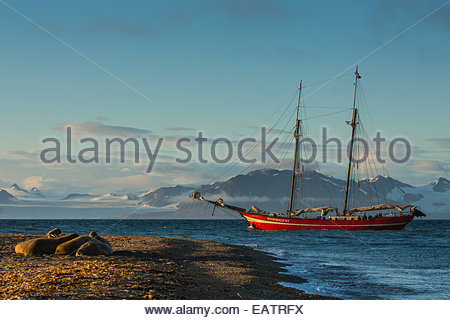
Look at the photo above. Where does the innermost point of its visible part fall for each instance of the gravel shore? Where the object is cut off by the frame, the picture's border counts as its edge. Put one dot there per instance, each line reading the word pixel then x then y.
pixel 146 268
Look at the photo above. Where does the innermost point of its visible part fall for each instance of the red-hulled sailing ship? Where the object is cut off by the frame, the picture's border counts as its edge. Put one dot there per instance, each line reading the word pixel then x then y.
pixel 373 217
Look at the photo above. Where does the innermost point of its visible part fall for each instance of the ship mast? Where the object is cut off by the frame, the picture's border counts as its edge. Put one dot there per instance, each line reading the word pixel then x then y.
pixel 296 136
pixel 350 157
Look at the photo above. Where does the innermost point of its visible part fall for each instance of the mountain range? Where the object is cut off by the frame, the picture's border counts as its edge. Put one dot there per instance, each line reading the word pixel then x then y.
pixel 267 189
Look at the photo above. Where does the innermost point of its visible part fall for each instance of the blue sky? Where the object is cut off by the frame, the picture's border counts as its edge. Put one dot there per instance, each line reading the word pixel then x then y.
pixel 219 67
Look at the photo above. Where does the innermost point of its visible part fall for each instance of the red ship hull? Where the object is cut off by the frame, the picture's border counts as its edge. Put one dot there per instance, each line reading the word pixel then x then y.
pixel 278 224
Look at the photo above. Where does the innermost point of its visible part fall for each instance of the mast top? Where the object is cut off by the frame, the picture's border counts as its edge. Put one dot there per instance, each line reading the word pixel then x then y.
pixel 298 102
pixel 356 73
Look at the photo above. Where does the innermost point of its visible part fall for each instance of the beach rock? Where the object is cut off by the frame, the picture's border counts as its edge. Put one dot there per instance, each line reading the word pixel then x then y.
pixel 42 245
pixel 71 247
pixel 94 247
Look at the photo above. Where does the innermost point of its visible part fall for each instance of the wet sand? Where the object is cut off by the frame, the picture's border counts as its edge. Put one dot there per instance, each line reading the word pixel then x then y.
pixel 146 268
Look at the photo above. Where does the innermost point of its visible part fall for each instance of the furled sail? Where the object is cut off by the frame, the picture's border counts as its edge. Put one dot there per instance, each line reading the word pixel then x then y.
pixel 378 207
pixel 324 211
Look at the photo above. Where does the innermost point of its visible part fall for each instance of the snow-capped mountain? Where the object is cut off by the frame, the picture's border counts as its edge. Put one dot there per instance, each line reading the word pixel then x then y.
pixel 19 192
pixel 266 189
pixel 77 196
pixel 15 186
pixel 165 196
pixel 441 185
pixel 269 190
pixel 6 197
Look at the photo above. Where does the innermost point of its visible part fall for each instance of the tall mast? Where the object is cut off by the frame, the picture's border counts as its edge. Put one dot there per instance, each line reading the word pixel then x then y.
pixel 296 136
pixel 350 157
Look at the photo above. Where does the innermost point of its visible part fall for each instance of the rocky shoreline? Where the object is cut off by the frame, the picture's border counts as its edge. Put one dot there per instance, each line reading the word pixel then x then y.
pixel 144 267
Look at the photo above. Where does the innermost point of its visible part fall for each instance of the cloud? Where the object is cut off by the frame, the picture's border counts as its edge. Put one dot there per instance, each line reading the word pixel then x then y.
pixel 97 128
pixel 136 181
pixel 19 154
pixel 122 28
pixel 38 182
pixel 431 166
pixel 180 129
pixel 440 142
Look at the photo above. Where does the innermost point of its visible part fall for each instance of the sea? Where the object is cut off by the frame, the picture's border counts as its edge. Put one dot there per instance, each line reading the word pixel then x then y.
pixel 409 264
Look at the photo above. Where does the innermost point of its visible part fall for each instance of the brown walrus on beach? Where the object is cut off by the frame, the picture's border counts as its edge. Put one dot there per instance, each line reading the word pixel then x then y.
pixel 42 245
pixel 96 236
pixel 71 247
pixel 54 233
pixel 95 247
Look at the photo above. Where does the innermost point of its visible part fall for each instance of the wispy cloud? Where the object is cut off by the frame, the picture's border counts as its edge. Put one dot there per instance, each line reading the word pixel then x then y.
pixel 100 129
pixel 19 154
pixel 431 166
pixel 180 129
pixel 440 142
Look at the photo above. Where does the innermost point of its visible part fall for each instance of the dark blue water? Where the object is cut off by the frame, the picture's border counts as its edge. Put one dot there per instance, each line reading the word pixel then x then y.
pixel 408 264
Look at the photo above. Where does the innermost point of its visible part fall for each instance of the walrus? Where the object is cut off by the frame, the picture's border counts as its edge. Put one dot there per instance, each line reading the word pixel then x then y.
pixel 96 236
pixel 42 245
pixel 71 247
pixel 54 233
pixel 94 247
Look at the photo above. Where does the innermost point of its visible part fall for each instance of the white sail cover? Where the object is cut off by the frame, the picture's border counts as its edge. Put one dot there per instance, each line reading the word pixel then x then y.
pixel 324 211
pixel 378 207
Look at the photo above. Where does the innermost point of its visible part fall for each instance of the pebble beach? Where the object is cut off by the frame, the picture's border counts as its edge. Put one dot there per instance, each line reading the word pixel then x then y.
pixel 144 267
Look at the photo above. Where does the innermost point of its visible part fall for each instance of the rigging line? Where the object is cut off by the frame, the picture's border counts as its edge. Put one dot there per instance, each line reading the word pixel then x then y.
pixel 248 167
pixel 288 101
pixel 318 107
pixel 326 114
pixel 228 168
pixel 321 82
pixel 253 147
pixel 370 161
pixel 268 183
pixel 227 212
pixel 284 140
pixel 285 144
pixel 383 169
pixel 266 165
pixel 380 47
pixel 78 52
pixel 370 166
